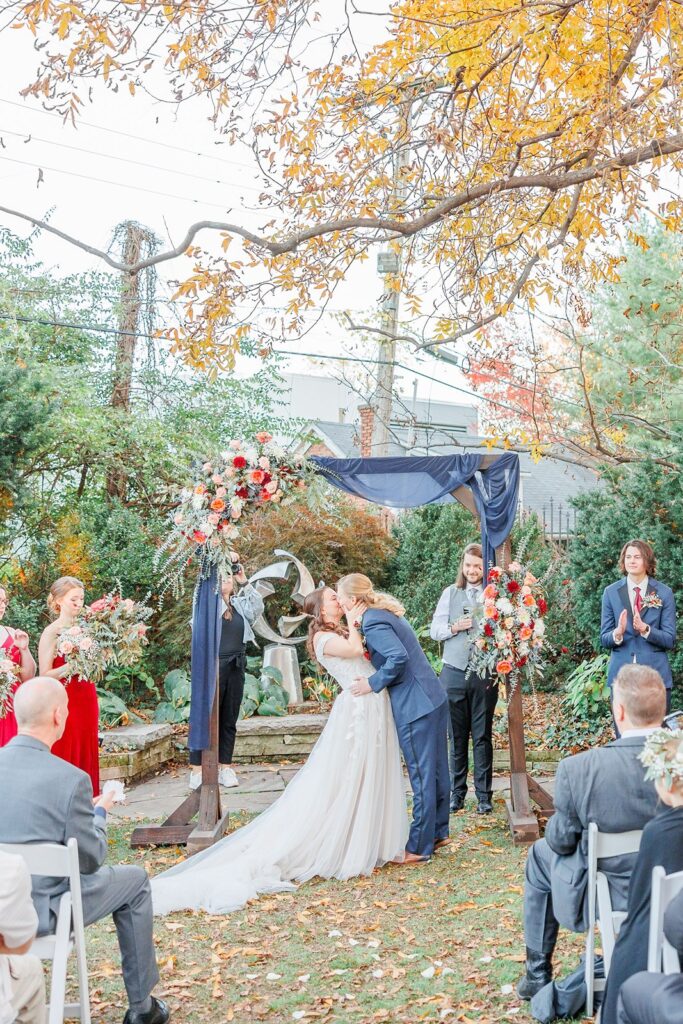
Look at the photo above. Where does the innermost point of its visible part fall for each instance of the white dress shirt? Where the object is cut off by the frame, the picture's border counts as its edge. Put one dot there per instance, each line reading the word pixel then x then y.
pixel 631 585
pixel 18 921
pixel 440 629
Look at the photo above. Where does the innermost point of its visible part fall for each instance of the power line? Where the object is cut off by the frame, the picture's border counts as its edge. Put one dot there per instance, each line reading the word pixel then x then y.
pixel 118 184
pixel 98 329
pixel 128 135
pixel 122 159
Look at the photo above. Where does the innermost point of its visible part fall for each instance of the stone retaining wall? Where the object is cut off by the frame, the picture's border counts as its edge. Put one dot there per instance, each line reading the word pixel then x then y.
pixel 133 751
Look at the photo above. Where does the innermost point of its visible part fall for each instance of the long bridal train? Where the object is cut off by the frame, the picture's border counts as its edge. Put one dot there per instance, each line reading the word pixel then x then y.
pixel 342 815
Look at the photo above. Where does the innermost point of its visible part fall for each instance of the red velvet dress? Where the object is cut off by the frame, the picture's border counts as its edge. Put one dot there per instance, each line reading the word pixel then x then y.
pixel 8 724
pixel 80 744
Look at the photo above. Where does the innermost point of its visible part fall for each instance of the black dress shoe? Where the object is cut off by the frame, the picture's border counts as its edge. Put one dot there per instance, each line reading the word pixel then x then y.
pixel 159 1014
pixel 539 972
pixel 484 807
pixel 457 805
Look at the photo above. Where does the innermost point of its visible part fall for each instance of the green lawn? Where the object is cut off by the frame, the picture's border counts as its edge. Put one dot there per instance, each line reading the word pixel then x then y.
pixel 431 943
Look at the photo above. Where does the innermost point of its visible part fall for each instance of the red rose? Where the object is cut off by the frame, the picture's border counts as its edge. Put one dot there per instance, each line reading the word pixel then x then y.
pixel 488 629
pixel 265 496
pixel 542 605
pixel 521 661
pixel 239 462
pixel 565 650
pixel 513 587
pixel 242 492
pixel 366 655
pixel 565 583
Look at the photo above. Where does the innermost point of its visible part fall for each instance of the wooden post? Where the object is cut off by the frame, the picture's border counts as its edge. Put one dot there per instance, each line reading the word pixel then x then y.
pixel 179 828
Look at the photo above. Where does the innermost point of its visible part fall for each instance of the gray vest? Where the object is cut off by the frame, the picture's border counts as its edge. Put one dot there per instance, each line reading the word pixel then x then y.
pixel 456 650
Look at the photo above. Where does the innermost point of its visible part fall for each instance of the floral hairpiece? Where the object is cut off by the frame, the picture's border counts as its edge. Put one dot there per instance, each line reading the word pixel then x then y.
pixel 662 755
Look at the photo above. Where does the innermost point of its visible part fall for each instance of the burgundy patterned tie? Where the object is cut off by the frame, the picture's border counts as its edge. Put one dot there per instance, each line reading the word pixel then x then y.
pixel 637 601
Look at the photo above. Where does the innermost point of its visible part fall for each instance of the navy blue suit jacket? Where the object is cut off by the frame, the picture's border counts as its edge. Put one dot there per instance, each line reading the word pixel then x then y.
pixel 401 665
pixel 634 647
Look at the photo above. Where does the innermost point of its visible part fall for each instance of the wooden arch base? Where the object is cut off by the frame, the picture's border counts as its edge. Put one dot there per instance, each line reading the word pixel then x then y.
pixel 203 803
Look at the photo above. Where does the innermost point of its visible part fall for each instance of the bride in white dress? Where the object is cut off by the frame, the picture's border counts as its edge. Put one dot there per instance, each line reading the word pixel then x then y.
pixel 343 814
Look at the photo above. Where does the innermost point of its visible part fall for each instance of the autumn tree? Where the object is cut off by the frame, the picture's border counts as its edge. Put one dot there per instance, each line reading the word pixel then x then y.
pixel 496 147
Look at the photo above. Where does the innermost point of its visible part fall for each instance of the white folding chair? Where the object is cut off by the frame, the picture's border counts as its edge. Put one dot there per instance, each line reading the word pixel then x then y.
pixel 57 861
pixel 661 955
pixel 600 846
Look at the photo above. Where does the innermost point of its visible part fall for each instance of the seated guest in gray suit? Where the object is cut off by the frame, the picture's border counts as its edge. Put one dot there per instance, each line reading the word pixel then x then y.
pixel 661 845
pixel 45 799
pixel 656 998
pixel 606 785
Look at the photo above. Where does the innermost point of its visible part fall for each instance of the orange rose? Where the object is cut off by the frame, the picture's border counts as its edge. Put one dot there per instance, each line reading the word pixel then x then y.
pixel 490 611
pixel 525 632
pixel 217 505
pixel 503 667
pixel 529 600
pixel 490 592
pixel 257 476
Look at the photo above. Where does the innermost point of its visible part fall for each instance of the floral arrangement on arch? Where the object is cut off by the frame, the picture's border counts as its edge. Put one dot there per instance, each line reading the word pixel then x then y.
pixel 9 677
pixel 110 631
pixel 511 639
pixel 247 476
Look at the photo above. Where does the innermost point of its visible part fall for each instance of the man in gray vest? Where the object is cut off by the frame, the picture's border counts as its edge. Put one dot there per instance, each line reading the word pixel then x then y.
pixel 471 698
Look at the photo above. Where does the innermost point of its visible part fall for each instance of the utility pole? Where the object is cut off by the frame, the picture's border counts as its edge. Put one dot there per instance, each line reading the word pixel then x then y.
pixel 389 266
pixel 137 242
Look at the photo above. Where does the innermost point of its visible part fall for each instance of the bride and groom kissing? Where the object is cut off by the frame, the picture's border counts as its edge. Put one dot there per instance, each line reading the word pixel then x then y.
pixel 344 814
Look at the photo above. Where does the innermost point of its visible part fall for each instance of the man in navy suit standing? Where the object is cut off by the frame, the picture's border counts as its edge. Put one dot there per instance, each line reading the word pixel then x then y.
pixel 419 706
pixel 638 623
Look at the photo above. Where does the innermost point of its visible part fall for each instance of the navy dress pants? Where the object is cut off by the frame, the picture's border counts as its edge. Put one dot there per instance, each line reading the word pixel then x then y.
pixel 424 745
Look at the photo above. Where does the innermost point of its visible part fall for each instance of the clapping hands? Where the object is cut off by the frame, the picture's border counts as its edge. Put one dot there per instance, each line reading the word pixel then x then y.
pixel 638 624
pixel 621 627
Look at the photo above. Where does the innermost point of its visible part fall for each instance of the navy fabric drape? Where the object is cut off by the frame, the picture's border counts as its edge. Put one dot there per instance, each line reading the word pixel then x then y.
pixel 206 638
pixel 406 482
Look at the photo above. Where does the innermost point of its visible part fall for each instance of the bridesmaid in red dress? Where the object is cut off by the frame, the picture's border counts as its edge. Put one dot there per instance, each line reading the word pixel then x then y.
pixel 13 645
pixel 79 745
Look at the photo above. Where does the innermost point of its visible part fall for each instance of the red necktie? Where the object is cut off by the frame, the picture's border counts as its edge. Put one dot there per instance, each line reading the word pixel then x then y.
pixel 638 601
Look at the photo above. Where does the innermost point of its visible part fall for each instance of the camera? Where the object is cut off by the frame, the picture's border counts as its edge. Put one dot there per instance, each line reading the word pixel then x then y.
pixel 237 568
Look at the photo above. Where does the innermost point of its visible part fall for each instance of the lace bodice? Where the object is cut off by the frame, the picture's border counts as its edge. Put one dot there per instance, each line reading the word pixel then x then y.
pixel 343 670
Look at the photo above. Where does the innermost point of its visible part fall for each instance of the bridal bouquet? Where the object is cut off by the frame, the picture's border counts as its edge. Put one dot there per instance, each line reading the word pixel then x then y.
pixel 119 624
pixel 83 654
pixel 247 476
pixel 9 677
pixel 511 638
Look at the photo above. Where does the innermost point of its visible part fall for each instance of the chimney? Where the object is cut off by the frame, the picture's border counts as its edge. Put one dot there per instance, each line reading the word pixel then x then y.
pixel 367 422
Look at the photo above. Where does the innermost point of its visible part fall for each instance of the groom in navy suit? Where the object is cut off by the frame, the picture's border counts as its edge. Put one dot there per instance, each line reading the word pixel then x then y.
pixel 420 710
pixel 638 623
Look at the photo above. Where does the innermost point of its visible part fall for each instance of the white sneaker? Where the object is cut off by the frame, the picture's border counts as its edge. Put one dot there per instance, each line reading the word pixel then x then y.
pixel 195 780
pixel 227 778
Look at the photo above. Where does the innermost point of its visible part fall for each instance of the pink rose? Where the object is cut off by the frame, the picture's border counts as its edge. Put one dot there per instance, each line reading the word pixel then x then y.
pixel 264 462
pixel 86 643
pixel 66 647
pixel 213 518
pixel 178 518
pixel 221 492
pixel 235 445
pixel 263 437
pixel 142 629
pixel 128 604
pixel 207 467
pixel 217 478
pixel 74 631
pixel 272 486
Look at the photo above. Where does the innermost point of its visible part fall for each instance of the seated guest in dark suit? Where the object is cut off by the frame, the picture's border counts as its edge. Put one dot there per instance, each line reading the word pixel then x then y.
pixel 606 785
pixel 638 622
pixel 46 799
pixel 662 844
pixel 656 998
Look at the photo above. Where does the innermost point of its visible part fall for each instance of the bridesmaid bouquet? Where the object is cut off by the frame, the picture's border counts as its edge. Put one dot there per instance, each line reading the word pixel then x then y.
pixel 511 641
pixel 247 476
pixel 119 624
pixel 110 631
pixel 82 652
pixel 9 677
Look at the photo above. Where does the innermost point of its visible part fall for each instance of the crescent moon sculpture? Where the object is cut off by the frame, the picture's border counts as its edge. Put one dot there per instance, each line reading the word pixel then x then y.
pixel 304 585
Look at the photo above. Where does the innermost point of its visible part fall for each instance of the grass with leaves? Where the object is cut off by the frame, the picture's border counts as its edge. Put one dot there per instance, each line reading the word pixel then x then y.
pixel 438 942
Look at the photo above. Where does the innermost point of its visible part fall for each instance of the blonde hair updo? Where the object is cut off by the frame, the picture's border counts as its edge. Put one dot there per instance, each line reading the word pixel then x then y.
pixel 359 586
pixel 58 589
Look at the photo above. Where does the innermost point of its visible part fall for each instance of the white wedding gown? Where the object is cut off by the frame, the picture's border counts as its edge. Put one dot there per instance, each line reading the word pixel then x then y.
pixel 342 815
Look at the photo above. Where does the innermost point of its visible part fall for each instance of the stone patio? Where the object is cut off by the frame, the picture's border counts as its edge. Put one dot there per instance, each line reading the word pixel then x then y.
pixel 260 786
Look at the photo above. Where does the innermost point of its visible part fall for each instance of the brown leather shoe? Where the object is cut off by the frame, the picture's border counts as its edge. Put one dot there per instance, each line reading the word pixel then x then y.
pixel 410 859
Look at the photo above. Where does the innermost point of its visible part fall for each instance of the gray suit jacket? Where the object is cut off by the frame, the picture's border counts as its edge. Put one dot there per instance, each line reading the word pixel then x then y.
pixel 46 799
pixel 605 785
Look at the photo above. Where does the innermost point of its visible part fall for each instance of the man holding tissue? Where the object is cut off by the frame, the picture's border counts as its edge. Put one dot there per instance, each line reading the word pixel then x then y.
pixel 46 799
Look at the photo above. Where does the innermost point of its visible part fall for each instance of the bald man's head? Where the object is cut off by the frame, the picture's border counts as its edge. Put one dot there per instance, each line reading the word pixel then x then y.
pixel 41 707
